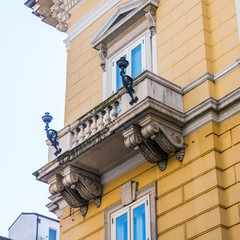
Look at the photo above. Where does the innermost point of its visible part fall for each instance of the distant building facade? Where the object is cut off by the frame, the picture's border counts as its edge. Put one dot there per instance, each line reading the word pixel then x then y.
pixel 34 226
pixel 159 161
pixel 4 238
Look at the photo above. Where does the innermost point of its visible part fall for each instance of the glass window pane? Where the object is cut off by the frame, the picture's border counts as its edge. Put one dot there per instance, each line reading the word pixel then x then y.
pixel 136 55
pixel 139 223
pixel 52 234
pixel 121 225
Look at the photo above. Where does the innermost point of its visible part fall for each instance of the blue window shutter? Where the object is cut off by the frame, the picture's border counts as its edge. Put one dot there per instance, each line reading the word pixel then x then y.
pixel 122 227
pixel 139 223
pixel 52 234
pixel 136 55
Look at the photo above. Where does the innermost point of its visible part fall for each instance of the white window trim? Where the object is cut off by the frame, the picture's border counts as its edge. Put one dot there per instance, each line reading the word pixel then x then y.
pixel 148 191
pixel 114 216
pixel 129 210
pixel 237 3
pixel 113 36
pixel 127 51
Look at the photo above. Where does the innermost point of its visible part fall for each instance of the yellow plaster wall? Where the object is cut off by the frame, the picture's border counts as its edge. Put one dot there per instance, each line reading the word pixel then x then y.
pixel 193 37
pixel 196 199
pixel 200 197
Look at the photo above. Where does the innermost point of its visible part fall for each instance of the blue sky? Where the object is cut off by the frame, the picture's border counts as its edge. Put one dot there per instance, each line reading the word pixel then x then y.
pixel 32 81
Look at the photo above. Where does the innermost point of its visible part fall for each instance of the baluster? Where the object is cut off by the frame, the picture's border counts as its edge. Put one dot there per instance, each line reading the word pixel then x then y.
pixel 114 111
pixel 81 133
pixel 107 115
pixel 75 137
pixel 100 121
pixel 119 107
pixel 94 123
pixel 88 128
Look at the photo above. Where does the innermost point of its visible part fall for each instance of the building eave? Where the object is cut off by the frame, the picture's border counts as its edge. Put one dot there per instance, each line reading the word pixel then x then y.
pixel 55 14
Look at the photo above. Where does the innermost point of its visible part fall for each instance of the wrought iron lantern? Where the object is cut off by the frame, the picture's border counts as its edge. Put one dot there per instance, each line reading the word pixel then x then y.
pixel 51 133
pixel 127 81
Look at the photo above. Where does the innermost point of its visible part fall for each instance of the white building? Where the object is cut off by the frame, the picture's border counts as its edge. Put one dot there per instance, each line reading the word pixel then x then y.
pixel 34 226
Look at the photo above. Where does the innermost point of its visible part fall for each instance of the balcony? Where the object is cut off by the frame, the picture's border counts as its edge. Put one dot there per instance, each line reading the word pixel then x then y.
pixel 111 134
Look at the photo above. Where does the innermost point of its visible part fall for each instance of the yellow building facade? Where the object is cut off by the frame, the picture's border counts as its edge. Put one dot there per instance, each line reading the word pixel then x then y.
pixel 185 123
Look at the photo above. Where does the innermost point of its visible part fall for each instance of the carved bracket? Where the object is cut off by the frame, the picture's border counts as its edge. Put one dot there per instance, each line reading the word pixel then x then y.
pixel 77 187
pixel 155 141
pixel 102 53
pixel 59 13
pixel 150 13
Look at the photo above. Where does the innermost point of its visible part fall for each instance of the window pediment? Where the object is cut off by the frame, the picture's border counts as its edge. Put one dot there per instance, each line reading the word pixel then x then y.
pixel 121 19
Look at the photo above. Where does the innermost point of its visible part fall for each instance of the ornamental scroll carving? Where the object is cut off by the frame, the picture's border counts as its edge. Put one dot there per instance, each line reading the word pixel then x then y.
pixel 155 142
pixel 77 187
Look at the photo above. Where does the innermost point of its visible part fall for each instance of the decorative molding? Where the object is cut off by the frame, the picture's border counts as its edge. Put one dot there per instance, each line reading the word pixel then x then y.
pixel 150 13
pixel 88 19
pixel 126 12
pixel 102 53
pixel 213 78
pixel 227 70
pixel 77 187
pixel 205 77
pixel 128 192
pixel 212 110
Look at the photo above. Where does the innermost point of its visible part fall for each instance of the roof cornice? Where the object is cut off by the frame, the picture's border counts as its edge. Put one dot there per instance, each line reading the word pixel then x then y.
pixel 57 13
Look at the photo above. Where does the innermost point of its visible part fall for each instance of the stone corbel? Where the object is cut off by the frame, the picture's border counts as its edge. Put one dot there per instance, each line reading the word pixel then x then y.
pixel 77 187
pixel 167 138
pixel 155 141
pixel 71 196
pixel 150 13
pixel 102 53
pixel 148 147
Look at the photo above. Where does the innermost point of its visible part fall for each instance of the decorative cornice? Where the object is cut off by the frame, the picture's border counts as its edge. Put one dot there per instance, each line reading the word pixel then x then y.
pixel 212 110
pixel 213 78
pixel 128 13
pixel 88 19
pixel 55 12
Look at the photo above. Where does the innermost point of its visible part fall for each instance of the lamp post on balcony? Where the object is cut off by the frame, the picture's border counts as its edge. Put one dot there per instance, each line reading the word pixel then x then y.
pixel 127 81
pixel 51 133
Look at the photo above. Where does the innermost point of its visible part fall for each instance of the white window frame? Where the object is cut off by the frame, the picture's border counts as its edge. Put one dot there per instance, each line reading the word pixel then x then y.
pixel 150 191
pixel 237 3
pixel 127 51
pixel 129 210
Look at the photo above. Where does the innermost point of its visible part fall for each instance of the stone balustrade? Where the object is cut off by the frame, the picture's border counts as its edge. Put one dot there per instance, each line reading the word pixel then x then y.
pixel 95 122
pixel 88 125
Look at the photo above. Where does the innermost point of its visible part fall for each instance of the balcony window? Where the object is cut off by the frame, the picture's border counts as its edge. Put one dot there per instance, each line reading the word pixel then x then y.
pixel 135 54
pixel 129 31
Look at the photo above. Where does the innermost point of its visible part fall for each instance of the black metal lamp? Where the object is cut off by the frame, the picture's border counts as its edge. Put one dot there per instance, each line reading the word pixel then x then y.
pixel 51 133
pixel 127 81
